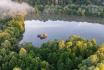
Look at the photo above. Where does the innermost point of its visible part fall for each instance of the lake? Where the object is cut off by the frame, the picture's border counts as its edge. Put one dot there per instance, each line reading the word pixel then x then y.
pixel 61 30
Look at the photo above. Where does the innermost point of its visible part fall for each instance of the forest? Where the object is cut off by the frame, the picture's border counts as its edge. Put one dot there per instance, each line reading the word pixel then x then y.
pixel 75 53
pixel 90 8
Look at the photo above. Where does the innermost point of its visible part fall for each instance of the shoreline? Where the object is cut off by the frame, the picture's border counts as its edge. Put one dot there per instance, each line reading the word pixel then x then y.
pixel 45 17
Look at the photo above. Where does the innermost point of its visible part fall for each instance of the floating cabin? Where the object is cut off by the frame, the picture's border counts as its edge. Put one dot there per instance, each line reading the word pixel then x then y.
pixel 42 36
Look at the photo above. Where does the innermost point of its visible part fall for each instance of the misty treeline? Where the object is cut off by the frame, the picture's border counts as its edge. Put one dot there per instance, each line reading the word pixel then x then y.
pixel 75 53
pixel 9 8
pixel 93 8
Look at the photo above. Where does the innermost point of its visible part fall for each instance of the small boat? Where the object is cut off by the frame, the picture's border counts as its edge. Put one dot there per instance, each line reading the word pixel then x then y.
pixel 42 36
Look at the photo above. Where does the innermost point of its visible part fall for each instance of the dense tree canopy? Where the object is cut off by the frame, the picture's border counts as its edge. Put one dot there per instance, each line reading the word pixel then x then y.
pixel 75 53
pixel 93 8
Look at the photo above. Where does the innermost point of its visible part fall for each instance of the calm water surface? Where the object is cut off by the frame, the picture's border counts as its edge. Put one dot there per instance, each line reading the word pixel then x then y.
pixel 61 30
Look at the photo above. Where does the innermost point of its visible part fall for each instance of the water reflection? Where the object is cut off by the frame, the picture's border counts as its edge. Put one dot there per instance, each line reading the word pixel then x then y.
pixel 61 30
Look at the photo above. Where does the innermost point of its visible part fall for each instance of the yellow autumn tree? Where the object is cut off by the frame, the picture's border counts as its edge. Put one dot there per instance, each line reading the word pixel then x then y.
pixel 17 68
pixel 22 52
